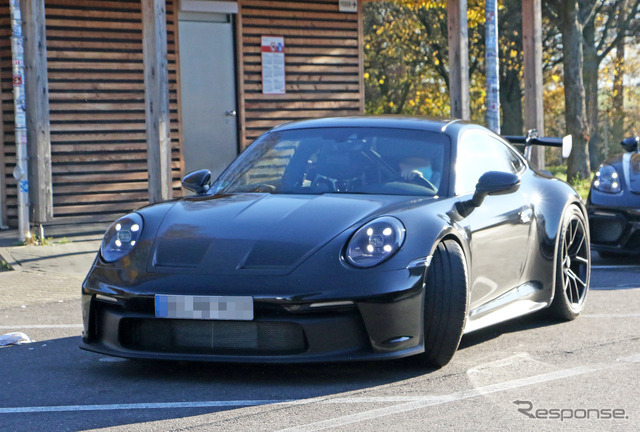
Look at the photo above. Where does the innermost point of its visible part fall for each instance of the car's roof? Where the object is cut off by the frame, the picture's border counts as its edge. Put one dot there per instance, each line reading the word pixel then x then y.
pixel 395 122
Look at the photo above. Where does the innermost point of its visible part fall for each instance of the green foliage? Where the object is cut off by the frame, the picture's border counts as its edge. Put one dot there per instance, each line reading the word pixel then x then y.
pixel 406 58
pixel 35 240
pixel 580 185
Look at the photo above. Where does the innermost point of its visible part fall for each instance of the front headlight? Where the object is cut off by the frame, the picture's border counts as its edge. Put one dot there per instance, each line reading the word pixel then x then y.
pixel 121 237
pixel 607 179
pixel 375 242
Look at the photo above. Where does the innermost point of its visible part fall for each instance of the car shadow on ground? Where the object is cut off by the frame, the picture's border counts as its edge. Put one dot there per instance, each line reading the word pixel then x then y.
pixel 56 372
pixel 536 320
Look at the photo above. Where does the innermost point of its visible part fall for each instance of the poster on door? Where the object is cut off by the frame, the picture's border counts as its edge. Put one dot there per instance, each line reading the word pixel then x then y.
pixel 273 81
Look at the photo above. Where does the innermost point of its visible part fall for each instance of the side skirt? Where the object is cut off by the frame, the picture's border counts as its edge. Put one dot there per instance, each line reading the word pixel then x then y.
pixel 522 300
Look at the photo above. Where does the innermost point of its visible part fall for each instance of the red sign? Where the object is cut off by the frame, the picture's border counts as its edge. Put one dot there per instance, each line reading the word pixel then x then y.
pixel 273 79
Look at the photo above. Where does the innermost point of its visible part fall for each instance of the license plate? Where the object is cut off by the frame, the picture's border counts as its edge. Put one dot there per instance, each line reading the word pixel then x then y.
pixel 204 307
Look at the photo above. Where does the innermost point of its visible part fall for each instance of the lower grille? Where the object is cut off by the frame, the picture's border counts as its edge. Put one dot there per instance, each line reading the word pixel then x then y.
pixel 211 337
pixel 606 230
pixel 634 241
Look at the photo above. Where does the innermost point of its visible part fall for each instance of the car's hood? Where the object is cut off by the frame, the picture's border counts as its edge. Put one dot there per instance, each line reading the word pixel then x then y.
pixel 267 233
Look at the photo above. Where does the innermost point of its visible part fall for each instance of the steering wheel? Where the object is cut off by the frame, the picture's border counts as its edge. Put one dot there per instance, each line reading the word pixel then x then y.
pixel 421 181
pixel 329 184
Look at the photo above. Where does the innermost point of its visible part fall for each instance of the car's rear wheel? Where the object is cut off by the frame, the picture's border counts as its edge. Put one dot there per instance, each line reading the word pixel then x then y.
pixel 573 264
pixel 445 307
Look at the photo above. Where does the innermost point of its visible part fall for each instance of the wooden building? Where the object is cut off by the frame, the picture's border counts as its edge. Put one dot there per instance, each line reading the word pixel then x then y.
pixel 106 82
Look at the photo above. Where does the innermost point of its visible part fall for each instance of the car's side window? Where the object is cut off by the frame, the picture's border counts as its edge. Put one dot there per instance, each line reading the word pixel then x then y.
pixel 478 153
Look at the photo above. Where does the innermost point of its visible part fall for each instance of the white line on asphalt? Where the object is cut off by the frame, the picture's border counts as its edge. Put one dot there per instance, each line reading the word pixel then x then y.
pixel 453 397
pixel 614 287
pixel 610 267
pixel 409 403
pixel 40 326
pixel 115 407
pixel 629 315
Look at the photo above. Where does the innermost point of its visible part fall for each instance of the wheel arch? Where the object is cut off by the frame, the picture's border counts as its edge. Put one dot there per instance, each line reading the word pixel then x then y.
pixel 451 233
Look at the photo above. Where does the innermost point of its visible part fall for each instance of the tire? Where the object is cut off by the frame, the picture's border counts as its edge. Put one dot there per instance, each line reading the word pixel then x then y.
pixel 445 305
pixel 573 267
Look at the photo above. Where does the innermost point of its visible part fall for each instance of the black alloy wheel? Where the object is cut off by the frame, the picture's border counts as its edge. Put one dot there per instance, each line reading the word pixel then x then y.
pixel 573 266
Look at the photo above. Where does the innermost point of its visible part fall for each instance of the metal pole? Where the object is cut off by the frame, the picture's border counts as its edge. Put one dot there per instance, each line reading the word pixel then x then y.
pixel 20 172
pixel 493 76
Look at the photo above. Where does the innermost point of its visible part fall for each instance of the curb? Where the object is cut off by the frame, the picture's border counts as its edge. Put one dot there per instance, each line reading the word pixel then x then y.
pixel 6 256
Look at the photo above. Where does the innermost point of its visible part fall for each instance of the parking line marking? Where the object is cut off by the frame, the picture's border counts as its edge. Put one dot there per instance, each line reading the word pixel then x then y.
pixel 40 326
pixel 133 406
pixel 614 288
pixel 461 395
pixel 409 403
pixel 628 315
pixel 614 266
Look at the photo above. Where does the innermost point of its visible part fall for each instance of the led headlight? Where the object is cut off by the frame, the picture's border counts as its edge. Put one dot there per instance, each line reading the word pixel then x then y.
pixel 121 237
pixel 375 242
pixel 607 179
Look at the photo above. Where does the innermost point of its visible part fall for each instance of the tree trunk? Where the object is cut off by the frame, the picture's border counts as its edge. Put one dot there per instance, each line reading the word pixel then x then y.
pixel 618 86
pixel 511 103
pixel 590 71
pixel 574 93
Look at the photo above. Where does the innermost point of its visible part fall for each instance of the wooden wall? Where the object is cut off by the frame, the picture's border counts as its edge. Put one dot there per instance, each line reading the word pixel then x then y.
pixel 96 87
pixel 323 63
pixel 97 109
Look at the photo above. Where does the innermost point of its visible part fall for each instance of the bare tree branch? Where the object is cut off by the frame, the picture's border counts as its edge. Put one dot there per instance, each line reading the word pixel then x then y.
pixel 622 30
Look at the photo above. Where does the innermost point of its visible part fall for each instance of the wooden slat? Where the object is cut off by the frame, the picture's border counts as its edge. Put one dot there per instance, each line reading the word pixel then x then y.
pixel 307 23
pixel 309 68
pixel 97 92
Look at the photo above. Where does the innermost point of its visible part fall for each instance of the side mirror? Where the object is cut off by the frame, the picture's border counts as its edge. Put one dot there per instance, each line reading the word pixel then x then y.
pixel 197 181
pixel 567 146
pixel 494 183
pixel 630 144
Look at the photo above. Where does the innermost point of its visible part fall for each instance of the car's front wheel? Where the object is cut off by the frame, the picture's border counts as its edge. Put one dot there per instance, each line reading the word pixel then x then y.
pixel 573 266
pixel 445 307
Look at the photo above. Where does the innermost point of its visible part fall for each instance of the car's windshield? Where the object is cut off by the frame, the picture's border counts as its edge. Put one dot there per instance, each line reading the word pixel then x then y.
pixel 341 160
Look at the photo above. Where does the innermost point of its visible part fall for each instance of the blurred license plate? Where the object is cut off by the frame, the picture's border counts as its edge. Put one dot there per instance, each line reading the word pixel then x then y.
pixel 204 307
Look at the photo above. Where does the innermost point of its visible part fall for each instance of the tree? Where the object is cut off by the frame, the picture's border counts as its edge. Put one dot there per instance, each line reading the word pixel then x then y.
pixel 607 24
pixel 406 58
pixel 574 93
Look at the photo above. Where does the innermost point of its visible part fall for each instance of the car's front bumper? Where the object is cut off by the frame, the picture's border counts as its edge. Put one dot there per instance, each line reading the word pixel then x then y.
pixel 380 326
pixel 615 229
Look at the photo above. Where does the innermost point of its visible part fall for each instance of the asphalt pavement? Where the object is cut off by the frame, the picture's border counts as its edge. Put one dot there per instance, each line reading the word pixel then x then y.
pixel 529 374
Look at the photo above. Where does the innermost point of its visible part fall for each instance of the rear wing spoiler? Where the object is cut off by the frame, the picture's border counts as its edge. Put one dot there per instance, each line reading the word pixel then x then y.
pixel 532 138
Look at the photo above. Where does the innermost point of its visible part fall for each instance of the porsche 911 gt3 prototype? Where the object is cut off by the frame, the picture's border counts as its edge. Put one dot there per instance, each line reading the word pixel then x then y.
pixel 614 203
pixel 341 239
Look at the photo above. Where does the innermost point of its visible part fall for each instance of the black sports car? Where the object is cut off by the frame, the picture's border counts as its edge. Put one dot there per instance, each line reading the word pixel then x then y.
pixel 614 203
pixel 341 239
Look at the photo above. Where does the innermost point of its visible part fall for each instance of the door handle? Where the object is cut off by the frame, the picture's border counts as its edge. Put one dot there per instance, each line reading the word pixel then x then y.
pixel 231 113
